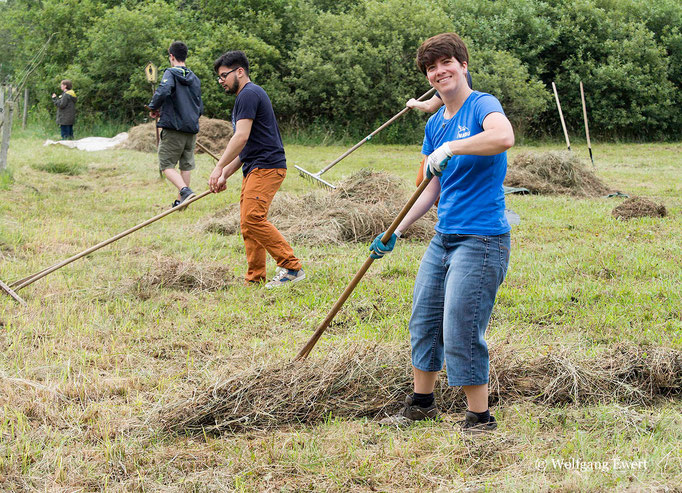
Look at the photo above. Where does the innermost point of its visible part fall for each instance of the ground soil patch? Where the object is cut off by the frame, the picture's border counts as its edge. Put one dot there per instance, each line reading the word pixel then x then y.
pixel 554 172
pixel 362 206
pixel 370 380
pixel 638 207
pixel 214 134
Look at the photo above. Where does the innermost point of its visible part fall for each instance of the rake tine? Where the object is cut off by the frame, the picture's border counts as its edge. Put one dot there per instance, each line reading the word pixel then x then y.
pixel 351 286
pixel 315 177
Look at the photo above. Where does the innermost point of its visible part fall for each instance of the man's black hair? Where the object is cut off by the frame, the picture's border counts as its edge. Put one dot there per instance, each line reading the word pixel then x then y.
pixel 232 59
pixel 179 50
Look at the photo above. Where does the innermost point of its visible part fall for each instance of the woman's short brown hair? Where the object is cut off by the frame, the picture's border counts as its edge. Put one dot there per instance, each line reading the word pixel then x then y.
pixel 445 45
pixel 68 84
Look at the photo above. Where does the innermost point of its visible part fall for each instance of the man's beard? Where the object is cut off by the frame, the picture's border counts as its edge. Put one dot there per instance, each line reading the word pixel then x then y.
pixel 232 89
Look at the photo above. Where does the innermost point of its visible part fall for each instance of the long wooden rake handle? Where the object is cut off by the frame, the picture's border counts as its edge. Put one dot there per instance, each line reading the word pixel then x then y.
pixel 45 272
pixel 587 128
pixel 561 116
pixel 351 286
pixel 369 137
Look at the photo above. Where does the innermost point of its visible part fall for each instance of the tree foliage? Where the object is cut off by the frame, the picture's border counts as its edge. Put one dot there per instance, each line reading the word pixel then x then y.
pixel 348 65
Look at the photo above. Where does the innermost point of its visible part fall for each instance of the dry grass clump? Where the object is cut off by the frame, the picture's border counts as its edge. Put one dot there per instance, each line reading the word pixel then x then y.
pixel 554 172
pixel 371 380
pixel 624 373
pixel 638 207
pixel 363 206
pixel 214 134
pixel 185 276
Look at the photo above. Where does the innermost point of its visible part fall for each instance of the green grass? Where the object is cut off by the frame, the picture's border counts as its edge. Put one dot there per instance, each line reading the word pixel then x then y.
pixel 86 365
pixel 6 179
pixel 61 167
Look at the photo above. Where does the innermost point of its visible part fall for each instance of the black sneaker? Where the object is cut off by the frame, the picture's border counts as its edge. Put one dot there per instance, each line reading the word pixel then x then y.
pixel 411 413
pixel 186 193
pixel 471 424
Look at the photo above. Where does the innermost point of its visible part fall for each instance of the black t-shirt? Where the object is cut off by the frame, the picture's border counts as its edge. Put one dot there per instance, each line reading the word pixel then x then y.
pixel 264 148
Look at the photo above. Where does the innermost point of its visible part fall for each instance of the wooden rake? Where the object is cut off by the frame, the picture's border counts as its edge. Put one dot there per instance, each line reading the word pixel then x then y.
pixel 26 281
pixel 351 286
pixel 12 288
pixel 587 128
pixel 561 116
pixel 315 177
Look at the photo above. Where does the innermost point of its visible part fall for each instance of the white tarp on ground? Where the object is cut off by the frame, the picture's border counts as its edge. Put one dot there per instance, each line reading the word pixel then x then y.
pixel 91 143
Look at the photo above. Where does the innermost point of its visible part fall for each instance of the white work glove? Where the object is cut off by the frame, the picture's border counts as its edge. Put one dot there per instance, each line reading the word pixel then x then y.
pixel 437 161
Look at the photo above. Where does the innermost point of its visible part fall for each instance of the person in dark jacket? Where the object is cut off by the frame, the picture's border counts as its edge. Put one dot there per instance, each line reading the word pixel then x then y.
pixel 177 103
pixel 66 109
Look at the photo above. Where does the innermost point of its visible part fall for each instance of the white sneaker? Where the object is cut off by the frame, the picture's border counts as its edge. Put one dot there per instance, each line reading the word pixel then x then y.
pixel 284 277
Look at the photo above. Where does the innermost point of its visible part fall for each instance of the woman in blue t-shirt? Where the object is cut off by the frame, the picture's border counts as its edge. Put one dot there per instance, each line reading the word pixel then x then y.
pixel 465 263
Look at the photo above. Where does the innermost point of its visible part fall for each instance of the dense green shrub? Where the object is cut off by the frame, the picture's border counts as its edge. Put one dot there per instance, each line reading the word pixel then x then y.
pixel 506 77
pixel 344 67
pixel 355 70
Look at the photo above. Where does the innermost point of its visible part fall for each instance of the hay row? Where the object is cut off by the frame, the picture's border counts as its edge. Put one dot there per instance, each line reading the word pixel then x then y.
pixel 554 172
pixel 370 380
pixel 363 206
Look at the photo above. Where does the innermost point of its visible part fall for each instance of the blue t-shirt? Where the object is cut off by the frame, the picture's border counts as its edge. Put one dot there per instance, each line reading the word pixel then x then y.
pixel 264 148
pixel 471 196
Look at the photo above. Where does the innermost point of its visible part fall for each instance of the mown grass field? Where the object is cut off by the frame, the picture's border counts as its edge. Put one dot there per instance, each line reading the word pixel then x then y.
pixel 87 366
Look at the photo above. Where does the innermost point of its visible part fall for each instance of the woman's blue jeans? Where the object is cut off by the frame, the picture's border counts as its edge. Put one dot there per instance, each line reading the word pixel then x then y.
pixel 453 299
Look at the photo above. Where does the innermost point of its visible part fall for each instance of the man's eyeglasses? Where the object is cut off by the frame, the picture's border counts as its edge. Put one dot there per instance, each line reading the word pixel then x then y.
pixel 223 76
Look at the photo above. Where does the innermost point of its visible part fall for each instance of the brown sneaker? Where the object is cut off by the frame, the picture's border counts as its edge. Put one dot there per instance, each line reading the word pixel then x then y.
pixel 471 424
pixel 411 413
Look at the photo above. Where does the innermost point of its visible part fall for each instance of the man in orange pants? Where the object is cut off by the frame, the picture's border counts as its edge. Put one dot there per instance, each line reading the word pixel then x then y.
pixel 256 147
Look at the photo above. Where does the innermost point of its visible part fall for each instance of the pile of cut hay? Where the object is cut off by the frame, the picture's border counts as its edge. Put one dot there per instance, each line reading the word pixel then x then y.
pixel 638 207
pixel 185 276
pixel 363 206
pixel 554 172
pixel 372 380
pixel 213 134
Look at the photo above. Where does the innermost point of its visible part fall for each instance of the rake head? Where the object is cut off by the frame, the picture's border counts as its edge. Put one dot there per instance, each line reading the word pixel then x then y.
pixel 314 178
pixel 11 293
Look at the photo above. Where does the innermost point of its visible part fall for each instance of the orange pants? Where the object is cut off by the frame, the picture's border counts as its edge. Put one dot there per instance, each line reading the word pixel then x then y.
pixel 258 189
pixel 420 174
pixel 420 177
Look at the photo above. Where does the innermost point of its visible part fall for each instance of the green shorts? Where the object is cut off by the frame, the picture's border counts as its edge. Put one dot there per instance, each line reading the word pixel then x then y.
pixel 176 147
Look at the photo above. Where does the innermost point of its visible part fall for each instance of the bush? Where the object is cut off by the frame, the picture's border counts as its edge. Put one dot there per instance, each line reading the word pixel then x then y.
pixel 340 69
pixel 506 77
pixel 109 74
pixel 627 90
pixel 352 71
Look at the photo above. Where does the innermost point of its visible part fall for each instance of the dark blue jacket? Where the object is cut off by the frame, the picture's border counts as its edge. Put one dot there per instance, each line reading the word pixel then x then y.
pixel 179 99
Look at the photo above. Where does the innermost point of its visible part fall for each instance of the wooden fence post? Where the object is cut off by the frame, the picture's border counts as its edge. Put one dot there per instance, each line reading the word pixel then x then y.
pixel 2 106
pixel 25 115
pixel 6 129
